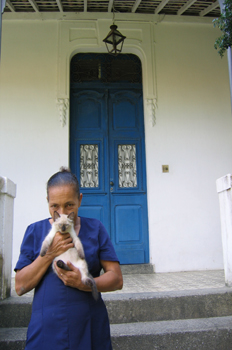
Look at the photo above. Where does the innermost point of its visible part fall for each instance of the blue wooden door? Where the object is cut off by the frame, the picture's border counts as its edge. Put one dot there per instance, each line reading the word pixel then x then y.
pixel 108 156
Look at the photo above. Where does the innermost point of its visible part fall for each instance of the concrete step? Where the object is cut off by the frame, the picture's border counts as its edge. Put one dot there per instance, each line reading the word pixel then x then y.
pixel 12 338
pixel 197 334
pixel 137 307
pixel 137 269
pixel 15 312
pixel 147 307
pixel 201 334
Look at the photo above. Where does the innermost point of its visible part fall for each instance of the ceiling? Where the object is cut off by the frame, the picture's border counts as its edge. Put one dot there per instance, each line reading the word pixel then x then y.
pixel 200 8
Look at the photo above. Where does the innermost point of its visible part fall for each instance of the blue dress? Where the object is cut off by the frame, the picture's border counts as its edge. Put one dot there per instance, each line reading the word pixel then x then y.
pixel 65 318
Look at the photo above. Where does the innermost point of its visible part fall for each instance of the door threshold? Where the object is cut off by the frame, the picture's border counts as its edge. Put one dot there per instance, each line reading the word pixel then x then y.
pixel 137 269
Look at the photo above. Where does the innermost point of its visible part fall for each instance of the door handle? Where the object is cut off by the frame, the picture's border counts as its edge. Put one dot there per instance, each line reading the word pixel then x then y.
pixel 111 183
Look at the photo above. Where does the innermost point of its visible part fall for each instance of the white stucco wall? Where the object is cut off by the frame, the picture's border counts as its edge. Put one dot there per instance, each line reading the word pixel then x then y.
pixel 31 138
pixel 192 134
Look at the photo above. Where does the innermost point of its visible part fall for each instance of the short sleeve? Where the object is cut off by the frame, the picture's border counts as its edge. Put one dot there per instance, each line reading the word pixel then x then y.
pixel 27 254
pixel 32 241
pixel 106 251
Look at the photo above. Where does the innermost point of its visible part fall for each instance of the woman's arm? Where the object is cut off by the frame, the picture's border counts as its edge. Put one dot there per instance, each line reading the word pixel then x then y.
pixel 111 279
pixel 28 277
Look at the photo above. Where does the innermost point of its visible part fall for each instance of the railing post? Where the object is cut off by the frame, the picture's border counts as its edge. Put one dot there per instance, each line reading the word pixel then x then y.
pixel 225 201
pixel 7 195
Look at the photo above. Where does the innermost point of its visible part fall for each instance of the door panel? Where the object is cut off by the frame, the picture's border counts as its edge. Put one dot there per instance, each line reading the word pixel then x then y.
pixel 132 214
pixel 92 211
pixel 89 107
pixel 129 228
pixel 89 150
pixel 108 156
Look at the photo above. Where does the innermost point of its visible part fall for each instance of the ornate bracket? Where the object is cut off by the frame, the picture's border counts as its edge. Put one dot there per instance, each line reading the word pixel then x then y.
pixel 151 109
pixel 63 104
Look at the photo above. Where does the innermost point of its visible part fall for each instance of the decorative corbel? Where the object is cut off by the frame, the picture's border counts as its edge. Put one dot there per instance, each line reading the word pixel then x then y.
pixel 151 109
pixel 63 104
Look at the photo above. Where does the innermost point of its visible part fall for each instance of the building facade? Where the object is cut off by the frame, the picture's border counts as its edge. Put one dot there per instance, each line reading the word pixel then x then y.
pixel 185 112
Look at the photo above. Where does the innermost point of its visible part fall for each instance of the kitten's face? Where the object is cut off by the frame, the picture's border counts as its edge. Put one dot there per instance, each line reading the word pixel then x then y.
pixel 63 223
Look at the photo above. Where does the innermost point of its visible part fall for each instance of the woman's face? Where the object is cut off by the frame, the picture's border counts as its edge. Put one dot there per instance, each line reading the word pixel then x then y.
pixel 64 200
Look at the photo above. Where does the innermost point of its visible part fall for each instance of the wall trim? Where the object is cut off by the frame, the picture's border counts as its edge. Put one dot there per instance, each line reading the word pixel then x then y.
pixel 63 109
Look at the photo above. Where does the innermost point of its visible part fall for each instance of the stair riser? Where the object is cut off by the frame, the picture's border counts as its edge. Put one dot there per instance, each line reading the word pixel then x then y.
pixel 137 309
pixel 211 340
pixel 12 345
pixel 141 269
pixel 160 309
pixel 14 315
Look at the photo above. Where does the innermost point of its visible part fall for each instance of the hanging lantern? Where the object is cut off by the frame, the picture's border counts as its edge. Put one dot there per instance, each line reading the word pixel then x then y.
pixel 114 41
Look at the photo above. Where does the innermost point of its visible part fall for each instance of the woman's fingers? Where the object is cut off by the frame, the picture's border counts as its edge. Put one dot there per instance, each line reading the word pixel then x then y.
pixel 60 244
pixel 70 278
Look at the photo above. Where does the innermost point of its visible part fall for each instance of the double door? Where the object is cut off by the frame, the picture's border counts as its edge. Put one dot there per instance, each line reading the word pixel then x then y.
pixel 107 154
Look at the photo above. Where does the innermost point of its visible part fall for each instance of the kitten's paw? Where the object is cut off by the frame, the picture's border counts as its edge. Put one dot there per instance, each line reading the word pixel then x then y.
pixel 43 252
pixel 62 265
pixel 81 253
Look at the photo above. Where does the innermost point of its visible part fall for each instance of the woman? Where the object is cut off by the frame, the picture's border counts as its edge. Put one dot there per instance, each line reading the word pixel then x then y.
pixel 64 314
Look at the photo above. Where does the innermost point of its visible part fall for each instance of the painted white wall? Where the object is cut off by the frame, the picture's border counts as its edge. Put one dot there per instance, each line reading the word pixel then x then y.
pixel 193 136
pixel 193 131
pixel 33 144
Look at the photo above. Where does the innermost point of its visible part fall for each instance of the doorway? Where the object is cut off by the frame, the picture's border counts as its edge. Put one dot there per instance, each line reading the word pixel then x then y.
pixel 107 150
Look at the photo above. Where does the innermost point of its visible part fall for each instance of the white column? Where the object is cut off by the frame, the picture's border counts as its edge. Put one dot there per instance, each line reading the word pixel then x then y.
pixel 229 55
pixel 7 195
pixel 225 201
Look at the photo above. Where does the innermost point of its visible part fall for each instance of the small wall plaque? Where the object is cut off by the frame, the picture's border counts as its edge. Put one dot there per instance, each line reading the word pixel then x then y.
pixel 165 168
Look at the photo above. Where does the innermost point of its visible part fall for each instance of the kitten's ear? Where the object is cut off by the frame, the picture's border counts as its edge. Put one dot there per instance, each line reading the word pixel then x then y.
pixel 56 215
pixel 71 216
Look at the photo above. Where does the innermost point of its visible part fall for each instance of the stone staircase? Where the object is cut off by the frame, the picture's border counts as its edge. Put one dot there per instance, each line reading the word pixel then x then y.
pixel 182 320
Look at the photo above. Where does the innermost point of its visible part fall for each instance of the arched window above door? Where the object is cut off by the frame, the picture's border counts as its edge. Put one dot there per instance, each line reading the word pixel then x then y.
pixel 86 67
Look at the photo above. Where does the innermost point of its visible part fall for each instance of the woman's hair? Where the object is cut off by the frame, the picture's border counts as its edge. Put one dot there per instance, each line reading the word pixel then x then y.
pixel 64 177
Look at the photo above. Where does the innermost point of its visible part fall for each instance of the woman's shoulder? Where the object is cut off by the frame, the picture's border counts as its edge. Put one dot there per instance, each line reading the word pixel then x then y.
pixel 91 225
pixel 39 225
pixel 89 221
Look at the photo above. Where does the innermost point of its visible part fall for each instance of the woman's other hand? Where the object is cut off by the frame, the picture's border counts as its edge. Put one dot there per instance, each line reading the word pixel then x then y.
pixel 60 244
pixel 28 277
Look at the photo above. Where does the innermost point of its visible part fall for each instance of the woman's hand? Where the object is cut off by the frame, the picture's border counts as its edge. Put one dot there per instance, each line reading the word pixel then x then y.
pixel 60 244
pixel 111 280
pixel 71 278
pixel 28 277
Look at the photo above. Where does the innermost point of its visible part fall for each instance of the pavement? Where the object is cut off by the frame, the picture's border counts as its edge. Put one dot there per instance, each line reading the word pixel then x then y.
pixel 164 282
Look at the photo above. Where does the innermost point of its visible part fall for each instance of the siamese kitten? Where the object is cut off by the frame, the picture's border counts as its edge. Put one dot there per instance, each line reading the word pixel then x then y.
pixel 65 224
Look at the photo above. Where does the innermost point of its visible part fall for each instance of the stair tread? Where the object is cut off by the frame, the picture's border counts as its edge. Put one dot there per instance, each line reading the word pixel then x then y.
pixel 175 326
pixel 143 328
pixel 13 334
pixel 126 296
pixel 138 307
